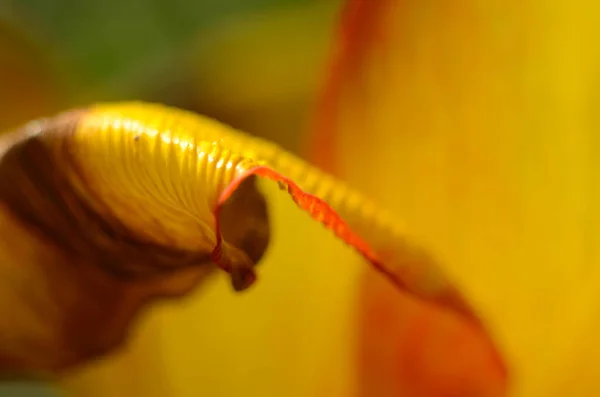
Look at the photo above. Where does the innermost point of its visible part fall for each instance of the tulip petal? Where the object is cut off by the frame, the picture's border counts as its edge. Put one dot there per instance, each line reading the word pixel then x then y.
pixel 482 112
pixel 167 158
pixel 141 191
pixel 350 124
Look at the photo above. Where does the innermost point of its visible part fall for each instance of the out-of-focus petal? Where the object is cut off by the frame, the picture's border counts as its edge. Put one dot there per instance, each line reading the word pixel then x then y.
pixel 478 118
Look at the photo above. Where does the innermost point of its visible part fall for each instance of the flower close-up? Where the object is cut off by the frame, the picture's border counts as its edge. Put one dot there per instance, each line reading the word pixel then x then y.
pixel 472 122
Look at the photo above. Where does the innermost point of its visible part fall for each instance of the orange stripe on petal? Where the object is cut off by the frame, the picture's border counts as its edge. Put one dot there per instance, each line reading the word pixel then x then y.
pixel 360 28
pixel 409 348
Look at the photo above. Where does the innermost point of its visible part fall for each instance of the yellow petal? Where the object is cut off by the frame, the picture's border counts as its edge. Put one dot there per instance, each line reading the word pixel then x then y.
pixel 480 118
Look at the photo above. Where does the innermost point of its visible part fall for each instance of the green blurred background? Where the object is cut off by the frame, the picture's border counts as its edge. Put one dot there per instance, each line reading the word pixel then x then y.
pixel 254 64
pixel 251 63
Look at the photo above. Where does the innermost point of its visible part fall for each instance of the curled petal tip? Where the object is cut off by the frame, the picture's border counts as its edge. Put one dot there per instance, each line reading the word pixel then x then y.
pixel 132 194
pixel 242 279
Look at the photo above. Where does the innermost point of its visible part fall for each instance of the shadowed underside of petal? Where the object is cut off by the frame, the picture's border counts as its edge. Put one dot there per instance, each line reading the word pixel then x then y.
pixel 73 279
pixel 74 274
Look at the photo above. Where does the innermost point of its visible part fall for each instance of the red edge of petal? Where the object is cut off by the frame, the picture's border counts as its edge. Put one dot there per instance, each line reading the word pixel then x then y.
pixel 316 207
pixel 322 212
